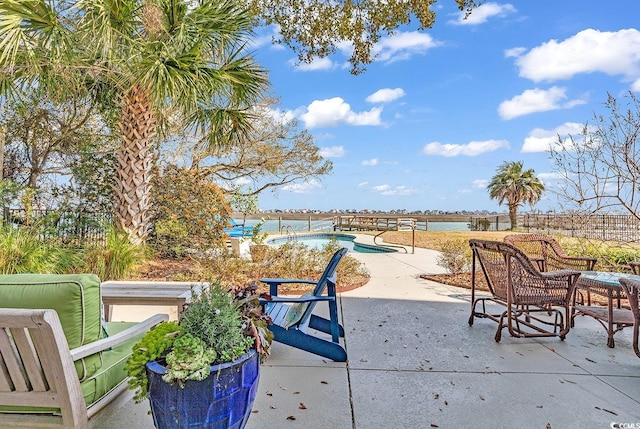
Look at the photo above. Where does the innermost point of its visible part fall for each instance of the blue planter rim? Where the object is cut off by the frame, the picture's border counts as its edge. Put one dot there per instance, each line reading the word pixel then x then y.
pixel 156 367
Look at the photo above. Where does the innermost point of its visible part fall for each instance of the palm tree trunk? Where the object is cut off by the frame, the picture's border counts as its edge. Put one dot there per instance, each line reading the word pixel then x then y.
pixel 133 172
pixel 513 216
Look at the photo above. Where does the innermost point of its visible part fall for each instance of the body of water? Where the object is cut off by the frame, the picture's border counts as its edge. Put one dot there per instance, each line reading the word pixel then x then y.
pixel 274 225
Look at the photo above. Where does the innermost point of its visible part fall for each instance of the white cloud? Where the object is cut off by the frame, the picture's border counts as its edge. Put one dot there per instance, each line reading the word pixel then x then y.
pixel 385 95
pixel 315 65
pixel 361 184
pixel 473 148
pixel 281 116
pixel 482 13
pixel 242 181
pixel 381 188
pixel 332 152
pixel 403 46
pixel 514 52
pixel 541 140
pixel 614 53
pixel 388 190
pixel 480 183
pixel 303 188
pixel 536 100
pixel 550 176
pixel 335 111
pixel 370 162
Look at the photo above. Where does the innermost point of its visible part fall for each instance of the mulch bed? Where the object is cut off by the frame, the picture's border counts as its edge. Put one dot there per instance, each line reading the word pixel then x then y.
pixel 463 280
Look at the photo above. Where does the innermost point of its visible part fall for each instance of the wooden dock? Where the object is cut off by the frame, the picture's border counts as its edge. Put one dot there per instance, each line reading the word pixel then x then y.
pixel 373 223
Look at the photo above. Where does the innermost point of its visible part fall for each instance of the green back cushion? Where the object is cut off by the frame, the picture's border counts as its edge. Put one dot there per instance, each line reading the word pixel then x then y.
pixel 76 299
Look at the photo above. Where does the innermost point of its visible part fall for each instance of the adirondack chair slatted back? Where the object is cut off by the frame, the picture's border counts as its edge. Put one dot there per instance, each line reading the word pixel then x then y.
pixel 36 368
pixel 328 280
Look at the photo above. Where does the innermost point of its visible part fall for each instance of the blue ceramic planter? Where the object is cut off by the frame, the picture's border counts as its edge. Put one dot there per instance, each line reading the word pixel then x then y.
pixel 221 401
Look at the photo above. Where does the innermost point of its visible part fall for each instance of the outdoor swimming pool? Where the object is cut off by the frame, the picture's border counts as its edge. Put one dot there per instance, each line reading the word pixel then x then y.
pixel 317 241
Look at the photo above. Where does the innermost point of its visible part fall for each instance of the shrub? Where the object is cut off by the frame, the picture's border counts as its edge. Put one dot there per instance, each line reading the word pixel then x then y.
pixel 189 212
pixel 455 256
pixel 117 260
pixel 23 252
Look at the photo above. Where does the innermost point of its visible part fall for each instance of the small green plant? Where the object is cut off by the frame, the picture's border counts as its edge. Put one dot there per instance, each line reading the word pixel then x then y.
pixel 455 256
pixel 258 236
pixel 218 326
pixel 153 345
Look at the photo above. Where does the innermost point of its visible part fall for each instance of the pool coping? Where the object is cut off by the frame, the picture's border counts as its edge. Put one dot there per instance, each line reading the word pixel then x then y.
pixel 375 248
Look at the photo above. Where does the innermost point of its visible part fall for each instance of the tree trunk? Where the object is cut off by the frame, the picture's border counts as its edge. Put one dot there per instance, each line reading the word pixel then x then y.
pixel 133 171
pixel 513 216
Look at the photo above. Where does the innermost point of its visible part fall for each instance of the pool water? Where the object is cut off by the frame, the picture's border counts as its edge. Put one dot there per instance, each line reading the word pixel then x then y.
pixel 318 241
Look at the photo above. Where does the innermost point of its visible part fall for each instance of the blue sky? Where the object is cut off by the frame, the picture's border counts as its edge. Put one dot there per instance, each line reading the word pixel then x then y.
pixel 426 126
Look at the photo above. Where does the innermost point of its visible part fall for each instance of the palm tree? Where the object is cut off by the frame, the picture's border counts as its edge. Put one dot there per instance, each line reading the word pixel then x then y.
pixel 516 187
pixel 141 61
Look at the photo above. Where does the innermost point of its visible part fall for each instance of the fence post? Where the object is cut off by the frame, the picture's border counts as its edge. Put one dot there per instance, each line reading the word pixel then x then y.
pixel 280 224
pixel 309 223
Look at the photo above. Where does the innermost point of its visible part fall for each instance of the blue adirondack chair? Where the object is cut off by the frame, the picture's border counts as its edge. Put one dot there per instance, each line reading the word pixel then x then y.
pixel 292 317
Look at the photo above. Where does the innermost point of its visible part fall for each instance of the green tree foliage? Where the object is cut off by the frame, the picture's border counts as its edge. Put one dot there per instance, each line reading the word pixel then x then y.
pixel 274 153
pixel 140 60
pixel 46 140
pixel 189 212
pixel 515 186
pixel 315 28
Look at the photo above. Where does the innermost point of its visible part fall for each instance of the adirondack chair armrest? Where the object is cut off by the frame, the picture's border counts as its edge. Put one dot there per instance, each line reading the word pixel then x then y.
pixel 116 339
pixel 275 282
pixel 287 281
pixel 302 299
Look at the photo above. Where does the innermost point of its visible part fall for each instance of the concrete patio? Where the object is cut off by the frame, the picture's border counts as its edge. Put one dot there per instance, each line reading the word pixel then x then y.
pixel 415 362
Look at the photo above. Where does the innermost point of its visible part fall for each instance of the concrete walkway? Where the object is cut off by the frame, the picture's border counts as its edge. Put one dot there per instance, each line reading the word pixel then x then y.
pixel 415 362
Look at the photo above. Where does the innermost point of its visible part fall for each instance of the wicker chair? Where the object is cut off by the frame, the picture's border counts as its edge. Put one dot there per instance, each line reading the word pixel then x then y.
pixel 632 287
pixel 547 253
pixel 526 292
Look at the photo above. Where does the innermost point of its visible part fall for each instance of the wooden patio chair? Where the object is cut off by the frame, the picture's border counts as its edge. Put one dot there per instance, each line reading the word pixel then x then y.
pixel 59 364
pixel 547 253
pixel 531 297
pixel 632 287
pixel 292 316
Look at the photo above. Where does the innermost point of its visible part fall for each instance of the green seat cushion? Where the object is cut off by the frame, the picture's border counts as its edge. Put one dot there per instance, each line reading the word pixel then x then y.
pixel 113 370
pixel 76 299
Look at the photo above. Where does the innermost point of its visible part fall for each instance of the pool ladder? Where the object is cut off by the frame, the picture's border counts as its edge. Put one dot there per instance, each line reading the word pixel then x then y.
pixel 291 233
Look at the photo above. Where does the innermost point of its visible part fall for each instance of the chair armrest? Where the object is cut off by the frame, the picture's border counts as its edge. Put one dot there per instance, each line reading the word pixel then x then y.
pixel 287 281
pixel 120 337
pixel 558 274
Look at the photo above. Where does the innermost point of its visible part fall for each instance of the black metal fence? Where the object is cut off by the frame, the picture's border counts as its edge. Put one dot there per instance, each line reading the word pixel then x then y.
pixel 607 227
pixel 489 223
pixel 72 228
pixel 623 228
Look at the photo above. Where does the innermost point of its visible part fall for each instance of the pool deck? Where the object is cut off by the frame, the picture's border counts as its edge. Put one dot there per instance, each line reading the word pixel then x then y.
pixel 415 362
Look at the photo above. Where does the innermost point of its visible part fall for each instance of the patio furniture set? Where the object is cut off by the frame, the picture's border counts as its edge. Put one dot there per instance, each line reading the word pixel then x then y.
pixel 543 290
pixel 61 362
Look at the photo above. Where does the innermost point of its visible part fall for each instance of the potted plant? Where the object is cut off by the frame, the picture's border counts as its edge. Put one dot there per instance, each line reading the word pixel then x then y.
pixel 203 370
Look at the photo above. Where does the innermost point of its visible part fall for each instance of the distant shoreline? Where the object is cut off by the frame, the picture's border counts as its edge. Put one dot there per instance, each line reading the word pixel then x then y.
pixel 320 216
